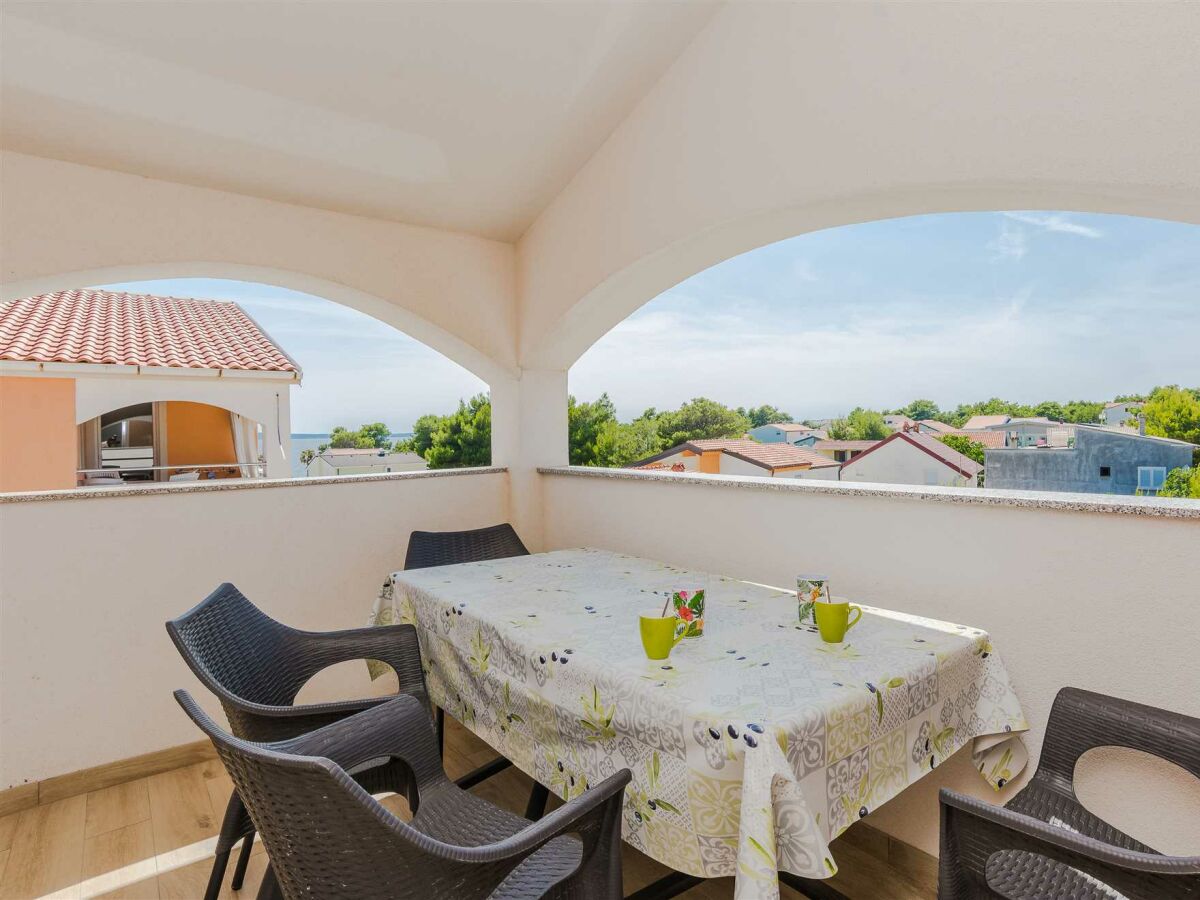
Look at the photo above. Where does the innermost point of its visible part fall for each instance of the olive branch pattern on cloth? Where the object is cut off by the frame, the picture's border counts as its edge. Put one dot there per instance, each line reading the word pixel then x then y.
pixel 752 747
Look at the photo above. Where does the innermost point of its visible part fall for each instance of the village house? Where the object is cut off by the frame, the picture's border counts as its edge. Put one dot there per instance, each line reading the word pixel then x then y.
pixel 106 389
pixel 909 457
pixel 742 457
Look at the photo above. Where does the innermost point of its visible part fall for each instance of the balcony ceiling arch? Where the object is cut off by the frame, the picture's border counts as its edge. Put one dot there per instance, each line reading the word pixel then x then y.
pixel 449 345
pixel 608 304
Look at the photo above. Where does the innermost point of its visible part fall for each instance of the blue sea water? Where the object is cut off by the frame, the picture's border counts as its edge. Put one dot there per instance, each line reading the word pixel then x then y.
pixel 312 442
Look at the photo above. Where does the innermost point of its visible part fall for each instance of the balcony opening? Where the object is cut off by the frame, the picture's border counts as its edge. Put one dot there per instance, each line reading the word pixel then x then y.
pixel 185 380
pixel 981 350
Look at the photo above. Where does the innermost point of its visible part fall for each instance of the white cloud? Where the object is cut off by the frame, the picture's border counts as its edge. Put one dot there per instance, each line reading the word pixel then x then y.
pixel 1056 222
pixel 1010 243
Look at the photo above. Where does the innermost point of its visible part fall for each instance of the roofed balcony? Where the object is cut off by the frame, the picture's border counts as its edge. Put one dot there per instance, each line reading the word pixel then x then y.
pixel 505 183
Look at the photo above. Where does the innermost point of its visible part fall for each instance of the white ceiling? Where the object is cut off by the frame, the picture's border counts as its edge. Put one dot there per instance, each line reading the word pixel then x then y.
pixel 463 115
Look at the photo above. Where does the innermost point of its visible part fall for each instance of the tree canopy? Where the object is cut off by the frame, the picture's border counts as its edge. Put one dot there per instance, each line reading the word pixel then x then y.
pixel 1173 412
pixel 860 425
pixel 1183 482
pixel 585 422
pixel 463 438
pixel 367 437
pixel 698 419
pixel 763 415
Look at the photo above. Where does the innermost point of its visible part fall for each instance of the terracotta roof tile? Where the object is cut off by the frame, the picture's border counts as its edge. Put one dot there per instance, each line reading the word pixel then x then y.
pixel 987 438
pixel 771 456
pixel 107 328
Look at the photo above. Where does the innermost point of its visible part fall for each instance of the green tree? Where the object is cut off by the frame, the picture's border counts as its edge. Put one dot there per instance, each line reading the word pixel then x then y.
pixel 921 409
pixel 1173 412
pixel 1083 412
pixel 699 419
pixel 763 415
pixel 422 436
pixel 964 445
pixel 342 438
pixel 585 421
pixel 1182 483
pixel 377 433
pixel 620 444
pixel 993 407
pixel 860 425
pixel 463 438
pixel 307 456
pixel 967 447
pixel 1050 409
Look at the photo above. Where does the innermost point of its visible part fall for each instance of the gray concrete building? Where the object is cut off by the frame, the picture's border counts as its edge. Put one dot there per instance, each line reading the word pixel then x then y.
pixel 1100 460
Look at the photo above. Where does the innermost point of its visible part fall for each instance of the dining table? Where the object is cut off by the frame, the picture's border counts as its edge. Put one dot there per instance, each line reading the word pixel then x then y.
pixel 751 747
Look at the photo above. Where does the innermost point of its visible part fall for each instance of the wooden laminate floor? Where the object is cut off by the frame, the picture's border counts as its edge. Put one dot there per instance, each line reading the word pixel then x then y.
pixel 153 838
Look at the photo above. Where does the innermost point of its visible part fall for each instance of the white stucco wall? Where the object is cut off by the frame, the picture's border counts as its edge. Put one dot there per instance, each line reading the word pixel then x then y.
pixel 881 550
pixel 899 462
pixel 86 585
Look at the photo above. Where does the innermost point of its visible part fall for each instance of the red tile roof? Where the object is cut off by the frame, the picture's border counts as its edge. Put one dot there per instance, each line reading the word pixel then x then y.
pixel 987 438
pixel 110 328
pixel 769 456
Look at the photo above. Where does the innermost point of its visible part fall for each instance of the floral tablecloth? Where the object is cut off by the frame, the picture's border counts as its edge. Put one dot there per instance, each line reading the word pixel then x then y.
pixel 751 748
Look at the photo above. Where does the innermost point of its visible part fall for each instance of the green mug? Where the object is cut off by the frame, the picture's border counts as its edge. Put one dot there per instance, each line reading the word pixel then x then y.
pixel 833 620
pixel 660 634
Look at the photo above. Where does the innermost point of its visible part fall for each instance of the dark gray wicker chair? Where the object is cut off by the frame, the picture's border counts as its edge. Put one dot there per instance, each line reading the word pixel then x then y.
pixel 448 548
pixel 328 838
pixel 256 666
pixel 1015 852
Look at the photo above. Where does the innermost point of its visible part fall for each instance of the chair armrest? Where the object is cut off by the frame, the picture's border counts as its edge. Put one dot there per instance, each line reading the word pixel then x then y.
pixel 586 815
pixel 395 645
pixel 399 727
pixel 1033 835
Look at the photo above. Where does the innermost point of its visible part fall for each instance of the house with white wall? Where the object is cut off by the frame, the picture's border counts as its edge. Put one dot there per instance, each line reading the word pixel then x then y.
pixel 742 457
pixel 102 388
pixel 356 461
pixel 841 451
pixel 908 457
pixel 1120 413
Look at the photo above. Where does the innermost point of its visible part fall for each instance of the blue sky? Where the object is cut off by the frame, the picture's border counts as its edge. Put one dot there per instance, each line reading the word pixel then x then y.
pixel 954 307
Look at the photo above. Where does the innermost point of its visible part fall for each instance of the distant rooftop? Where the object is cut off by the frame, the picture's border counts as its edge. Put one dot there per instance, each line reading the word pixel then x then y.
pixel 977 422
pixel 844 445
pixel 767 456
pixel 108 328
pixel 792 426
pixel 985 437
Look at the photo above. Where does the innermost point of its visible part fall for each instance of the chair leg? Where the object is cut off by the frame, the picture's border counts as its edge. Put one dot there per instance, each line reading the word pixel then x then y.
pixel 239 871
pixel 441 732
pixel 216 876
pixel 269 889
pixel 536 808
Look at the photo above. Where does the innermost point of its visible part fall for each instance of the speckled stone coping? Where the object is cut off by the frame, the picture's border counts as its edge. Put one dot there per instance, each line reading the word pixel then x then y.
pixel 235 484
pixel 1167 507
